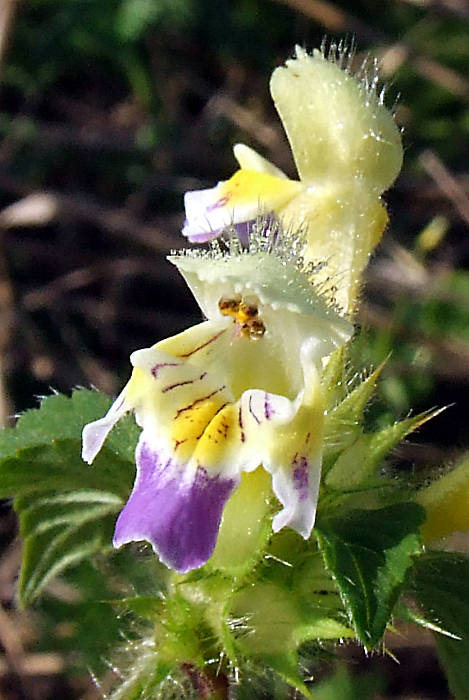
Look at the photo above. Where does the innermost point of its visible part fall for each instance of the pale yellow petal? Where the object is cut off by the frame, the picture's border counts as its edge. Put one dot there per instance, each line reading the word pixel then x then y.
pixel 249 159
pixel 337 126
pixel 446 504
pixel 342 227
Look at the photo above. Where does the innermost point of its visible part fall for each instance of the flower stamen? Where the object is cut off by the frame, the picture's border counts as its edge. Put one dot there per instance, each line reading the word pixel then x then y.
pixel 245 314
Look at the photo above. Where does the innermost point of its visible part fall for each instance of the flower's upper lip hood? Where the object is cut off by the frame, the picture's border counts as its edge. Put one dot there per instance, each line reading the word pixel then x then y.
pixel 276 285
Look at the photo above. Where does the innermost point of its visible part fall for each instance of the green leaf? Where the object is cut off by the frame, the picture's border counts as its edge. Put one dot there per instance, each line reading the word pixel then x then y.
pixel 369 554
pixel 60 417
pixel 78 623
pixel 440 586
pixel 148 607
pixel 345 686
pixel 59 467
pixel 48 553
pixel 66 508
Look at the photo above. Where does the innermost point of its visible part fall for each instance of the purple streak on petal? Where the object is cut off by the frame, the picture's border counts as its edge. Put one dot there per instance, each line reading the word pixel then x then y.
pixel 243 231
pixel 223 201
pixel 180 520
pixel 268 410
pixel 301 477
pixel 156 369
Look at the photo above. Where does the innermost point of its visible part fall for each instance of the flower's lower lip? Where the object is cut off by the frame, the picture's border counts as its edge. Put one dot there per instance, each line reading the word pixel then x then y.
pixel 179 518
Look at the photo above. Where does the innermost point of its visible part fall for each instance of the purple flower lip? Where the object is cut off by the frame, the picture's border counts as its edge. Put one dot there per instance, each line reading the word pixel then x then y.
pixel 179 518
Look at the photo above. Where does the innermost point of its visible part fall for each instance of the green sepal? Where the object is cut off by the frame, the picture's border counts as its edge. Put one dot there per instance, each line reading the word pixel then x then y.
pixel 361 461
pixel 343 422
pixel 263 620
pixel 334 379
pixel 269 619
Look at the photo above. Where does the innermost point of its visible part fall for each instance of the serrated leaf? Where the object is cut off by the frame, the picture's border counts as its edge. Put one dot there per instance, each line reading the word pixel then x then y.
pixel 66 508
pixel 58 466
pixel 369 554
pixel 61 417
pixel 440 586
pixel 47 554
pixel 60 531
pixel 407 614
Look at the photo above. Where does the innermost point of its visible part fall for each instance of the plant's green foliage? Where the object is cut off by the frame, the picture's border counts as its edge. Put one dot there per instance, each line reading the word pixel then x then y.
pixel 59 467
pixel 77 621
pixel 344 419
pixel 334 379
pixel 61 530
pixel 287 604
pixel 66 508
pixel 369 553
pixel 439 585
pixel 360 461
pixel 136 16
pixel 60 417
pixel 344 686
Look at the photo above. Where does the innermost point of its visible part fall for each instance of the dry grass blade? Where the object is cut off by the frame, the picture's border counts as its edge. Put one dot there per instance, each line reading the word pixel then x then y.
pixel 446 182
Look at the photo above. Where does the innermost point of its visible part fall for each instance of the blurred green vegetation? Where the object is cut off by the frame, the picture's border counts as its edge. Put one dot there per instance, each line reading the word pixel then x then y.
pixel 111 110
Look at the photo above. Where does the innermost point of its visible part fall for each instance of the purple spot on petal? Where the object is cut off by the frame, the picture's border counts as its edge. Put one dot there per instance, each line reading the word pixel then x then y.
pixel 155 370
pixel 219 203
pixel 268 410
pixel 301 477
pixel 179 519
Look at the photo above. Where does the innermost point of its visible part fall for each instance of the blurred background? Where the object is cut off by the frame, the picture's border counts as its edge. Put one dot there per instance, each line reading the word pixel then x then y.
pixel 110 110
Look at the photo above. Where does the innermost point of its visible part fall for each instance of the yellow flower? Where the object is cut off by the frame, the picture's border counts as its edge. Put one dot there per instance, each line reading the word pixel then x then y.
pixel 347 149
pixel 445 503
pixel 232 393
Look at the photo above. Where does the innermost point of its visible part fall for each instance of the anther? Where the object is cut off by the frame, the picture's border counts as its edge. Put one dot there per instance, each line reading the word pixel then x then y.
pixel 256 329
pixel 229 306
pixel 246 312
